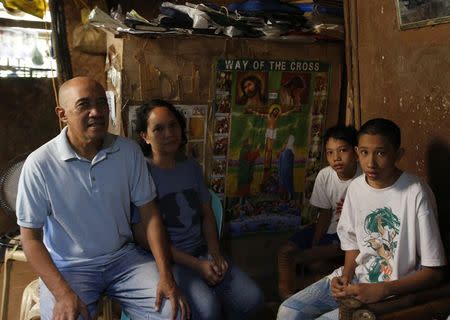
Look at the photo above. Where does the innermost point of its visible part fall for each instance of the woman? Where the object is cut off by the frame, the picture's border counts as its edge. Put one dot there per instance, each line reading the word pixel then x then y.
pixel 211 283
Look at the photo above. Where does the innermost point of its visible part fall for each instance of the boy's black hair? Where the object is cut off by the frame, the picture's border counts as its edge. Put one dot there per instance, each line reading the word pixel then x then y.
pixel 341 132
pixel 142 114
pixel 383 127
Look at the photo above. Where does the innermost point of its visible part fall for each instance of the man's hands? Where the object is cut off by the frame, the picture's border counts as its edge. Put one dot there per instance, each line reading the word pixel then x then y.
pixel 364 292
pixel 168 289
pixel 69 306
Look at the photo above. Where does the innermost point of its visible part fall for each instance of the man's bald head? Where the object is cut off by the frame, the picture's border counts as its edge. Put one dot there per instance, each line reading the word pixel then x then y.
pixel 83 107
pixel 66 91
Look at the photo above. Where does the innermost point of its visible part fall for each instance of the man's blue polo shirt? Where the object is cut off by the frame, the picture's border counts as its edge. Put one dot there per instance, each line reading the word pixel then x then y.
pixel 83 206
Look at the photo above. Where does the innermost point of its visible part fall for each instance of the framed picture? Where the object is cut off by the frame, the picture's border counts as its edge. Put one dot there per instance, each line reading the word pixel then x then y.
pixel 419 13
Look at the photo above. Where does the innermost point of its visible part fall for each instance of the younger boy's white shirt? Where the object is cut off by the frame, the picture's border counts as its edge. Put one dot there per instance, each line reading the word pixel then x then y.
pixel 329 191
pixel 394 228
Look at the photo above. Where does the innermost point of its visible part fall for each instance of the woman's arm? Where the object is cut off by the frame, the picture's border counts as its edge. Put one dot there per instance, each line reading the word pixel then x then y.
pixel 209 228
pixel 210 233
pixel 154 232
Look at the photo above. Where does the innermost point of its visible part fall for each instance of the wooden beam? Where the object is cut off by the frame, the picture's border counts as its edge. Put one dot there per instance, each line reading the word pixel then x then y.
pixel 11 23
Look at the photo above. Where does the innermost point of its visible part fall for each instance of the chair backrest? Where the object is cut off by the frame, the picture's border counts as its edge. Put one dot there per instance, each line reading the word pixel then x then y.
pixel 9 181
pixel 216 205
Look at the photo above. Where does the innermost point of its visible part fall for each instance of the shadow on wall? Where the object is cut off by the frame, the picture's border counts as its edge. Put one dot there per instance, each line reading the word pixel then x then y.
pixel 438 159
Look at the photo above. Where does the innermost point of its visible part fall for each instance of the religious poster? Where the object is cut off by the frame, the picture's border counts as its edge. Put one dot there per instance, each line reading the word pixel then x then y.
pixel 268 121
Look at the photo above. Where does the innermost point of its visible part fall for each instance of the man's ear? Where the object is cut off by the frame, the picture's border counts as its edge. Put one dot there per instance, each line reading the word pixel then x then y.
pixel 61 113
pixel 355 153
pixel 144 137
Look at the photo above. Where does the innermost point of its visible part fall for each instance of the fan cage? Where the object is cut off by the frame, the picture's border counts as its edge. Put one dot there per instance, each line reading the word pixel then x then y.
pixel 9 180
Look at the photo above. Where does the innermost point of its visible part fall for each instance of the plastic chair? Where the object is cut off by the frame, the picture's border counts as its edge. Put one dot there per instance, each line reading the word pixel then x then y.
pixel 13 253
pixel 106 306
pixel 9 180
pixel 29 308
pixel 217 207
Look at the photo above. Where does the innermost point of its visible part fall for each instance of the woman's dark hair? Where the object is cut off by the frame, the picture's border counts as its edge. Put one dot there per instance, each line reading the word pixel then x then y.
pixel 142 115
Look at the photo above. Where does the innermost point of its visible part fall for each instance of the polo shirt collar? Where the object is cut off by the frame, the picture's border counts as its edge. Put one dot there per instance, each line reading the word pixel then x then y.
pixel 66 152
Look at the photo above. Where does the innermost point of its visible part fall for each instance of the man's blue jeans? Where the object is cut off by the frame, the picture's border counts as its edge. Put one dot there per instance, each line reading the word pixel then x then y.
pixel 131 278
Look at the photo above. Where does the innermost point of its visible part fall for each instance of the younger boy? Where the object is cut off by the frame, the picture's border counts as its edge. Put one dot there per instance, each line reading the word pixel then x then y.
pixel 387 229
pixel 328 195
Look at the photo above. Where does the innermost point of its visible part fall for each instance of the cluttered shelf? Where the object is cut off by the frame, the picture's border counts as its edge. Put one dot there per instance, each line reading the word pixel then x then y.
pixel 304 21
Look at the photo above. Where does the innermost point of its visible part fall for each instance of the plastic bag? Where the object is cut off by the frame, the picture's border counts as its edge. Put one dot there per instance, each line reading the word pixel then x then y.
pixel 87 38
pixel 36 8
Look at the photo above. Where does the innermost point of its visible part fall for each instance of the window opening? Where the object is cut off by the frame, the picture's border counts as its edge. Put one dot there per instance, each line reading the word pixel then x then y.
pixel 26 49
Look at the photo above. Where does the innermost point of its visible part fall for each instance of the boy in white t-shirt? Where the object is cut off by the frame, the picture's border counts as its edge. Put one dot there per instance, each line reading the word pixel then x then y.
pixel 388 230
pixel 328 196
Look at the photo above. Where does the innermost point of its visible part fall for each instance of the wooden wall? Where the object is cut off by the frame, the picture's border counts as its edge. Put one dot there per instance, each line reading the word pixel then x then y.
pixel 405 76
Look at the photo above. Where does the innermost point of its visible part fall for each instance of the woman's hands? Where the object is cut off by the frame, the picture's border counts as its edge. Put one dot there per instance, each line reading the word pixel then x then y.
pixel 213 269
pixel 220 264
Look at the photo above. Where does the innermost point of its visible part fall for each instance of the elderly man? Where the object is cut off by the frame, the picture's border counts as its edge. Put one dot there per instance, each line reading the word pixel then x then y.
pixel 73 208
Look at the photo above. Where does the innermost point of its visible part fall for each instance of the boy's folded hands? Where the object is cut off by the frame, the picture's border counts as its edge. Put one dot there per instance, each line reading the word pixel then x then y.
pixel 366 292
pixel 338 285
pixel 341 288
